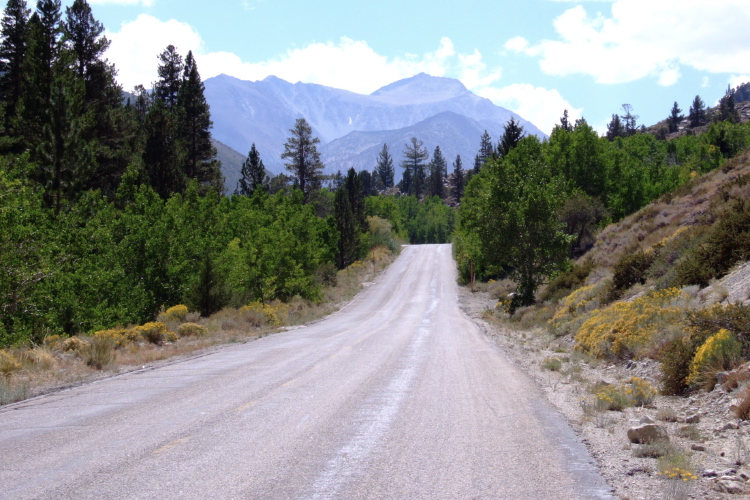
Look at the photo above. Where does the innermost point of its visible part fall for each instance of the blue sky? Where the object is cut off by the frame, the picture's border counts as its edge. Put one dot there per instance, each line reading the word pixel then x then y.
pixel 535 57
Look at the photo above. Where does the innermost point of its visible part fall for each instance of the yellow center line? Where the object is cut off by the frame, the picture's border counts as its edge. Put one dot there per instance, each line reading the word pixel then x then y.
pixel 171 445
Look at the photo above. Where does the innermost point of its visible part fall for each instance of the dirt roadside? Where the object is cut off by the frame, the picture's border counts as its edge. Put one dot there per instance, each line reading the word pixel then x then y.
pixel 717 446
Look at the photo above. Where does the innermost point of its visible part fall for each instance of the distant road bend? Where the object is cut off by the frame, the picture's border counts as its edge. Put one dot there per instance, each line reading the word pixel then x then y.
pixel 398 395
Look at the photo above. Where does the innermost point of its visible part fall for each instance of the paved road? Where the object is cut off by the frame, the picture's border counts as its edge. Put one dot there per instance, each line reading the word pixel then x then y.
pixel 397 396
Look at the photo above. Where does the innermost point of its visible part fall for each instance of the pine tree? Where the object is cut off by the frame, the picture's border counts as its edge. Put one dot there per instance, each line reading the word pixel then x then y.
pixel 438 171
pixel 253 175
pixel 413 164
pixel 615 128
pixel 303 158
pixel 170 77
pixel 564 123
pixel 384 168
pixel 675 117
pixel 727 111
pixel 162 153
pixel 12 52
pixel 697 115
pixel 39 70
pixel 512 135
pixel 486 149
pixel 195 124
pixel 477 164
pixel 458 179
pixel 349 214
pixel 629 120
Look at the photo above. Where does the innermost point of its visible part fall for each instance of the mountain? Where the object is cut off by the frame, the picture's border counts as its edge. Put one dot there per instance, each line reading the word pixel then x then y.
pixel 262 112
pixel 454 133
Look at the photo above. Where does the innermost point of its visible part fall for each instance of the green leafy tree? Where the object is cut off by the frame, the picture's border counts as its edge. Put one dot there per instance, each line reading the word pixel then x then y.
pixel 512 135
pixel 384 168
pixel 413 164
pixel 675 118
pixel 697 115
pixel 253 176
pixel 629 120
pixel 303 159
pixel 200 161
pixel 509 212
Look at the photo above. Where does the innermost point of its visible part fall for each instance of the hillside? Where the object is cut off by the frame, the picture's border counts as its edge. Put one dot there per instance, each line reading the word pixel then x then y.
pixel 262 112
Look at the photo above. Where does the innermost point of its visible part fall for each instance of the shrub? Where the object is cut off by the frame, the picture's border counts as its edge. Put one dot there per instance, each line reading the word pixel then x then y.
pixel 53 342
pixel 120 336
pixel 624 329
pixel 611 397
pixel 675 356
pixel 155 332
pixel 326 274
pixel 640 391
pixel 631 269
pixel 176 313
pixel 742 410
pixel 191 330
pixel 732 317
pixel 100 352
pixel 719 352
pixel 567 281
pixel 572 310
pixel 259 314
pixel 8 363
pixel 552 364
pixel 74 344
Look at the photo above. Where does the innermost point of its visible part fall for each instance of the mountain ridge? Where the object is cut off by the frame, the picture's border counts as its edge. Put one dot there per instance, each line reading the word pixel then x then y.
pixel 263 112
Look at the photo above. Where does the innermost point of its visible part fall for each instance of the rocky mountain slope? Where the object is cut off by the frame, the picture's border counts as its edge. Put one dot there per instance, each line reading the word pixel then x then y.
pixel 424 106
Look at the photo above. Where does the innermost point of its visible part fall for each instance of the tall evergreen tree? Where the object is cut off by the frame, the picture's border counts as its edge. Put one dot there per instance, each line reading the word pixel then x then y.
pixel 39 69
pixel 477 164
pixel 253 175
pixel 438 172
pixel 675 117
pixel 697 115
pixel 163 153
pixel 458 179
pixel 565 123
pixel 415 155
pixel 195 129
pixel 512 135
pixel 385 168
pixel 486 148
pixel 349 214
pixel 615 128
pixel 629 120
pixel 303 159
pixel 12 52
pixel 726 111
pixel 170 72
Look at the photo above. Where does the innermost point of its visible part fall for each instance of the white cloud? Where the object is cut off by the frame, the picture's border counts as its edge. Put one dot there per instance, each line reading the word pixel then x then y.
pixel 542 107
pixel 136 47
pixel 145 3
pixel 736 80
pixel 646 38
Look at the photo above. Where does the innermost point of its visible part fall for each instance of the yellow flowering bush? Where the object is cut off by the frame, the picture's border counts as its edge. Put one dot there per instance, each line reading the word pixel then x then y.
pixel 717 353
pixel 574 308
pixel 74 344
pixel 121 337
pixel 8 363
pixel 640 392
pixel 634 392
pixel 191 330
pixel 53 342
pixel 260 314
pixel 678 473
pixel 176 313
pixel 155 332
pixel 625 328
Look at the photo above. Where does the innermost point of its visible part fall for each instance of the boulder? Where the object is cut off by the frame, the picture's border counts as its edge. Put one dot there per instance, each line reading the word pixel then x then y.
pixel 647 433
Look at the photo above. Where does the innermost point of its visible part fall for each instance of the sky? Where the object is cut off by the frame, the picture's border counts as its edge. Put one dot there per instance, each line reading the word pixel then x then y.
pixel 534 57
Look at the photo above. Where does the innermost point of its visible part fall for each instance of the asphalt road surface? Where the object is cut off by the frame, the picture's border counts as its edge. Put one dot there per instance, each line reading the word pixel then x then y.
pixel 396 396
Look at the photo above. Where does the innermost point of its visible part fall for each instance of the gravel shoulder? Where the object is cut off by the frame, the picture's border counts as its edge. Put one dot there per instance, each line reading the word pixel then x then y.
pixel 717 445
